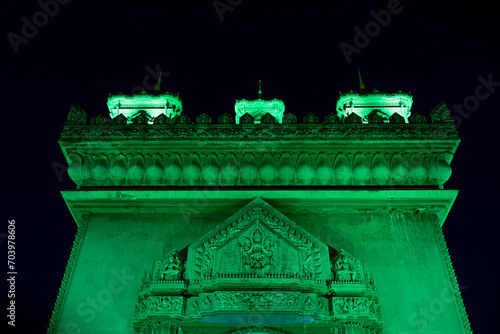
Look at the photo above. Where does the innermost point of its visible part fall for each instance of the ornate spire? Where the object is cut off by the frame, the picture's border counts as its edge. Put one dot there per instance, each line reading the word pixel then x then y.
pixel 157 87
pixel 362 87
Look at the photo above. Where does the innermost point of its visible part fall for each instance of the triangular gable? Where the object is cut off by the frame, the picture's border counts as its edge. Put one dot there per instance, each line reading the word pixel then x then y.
pixel 258 241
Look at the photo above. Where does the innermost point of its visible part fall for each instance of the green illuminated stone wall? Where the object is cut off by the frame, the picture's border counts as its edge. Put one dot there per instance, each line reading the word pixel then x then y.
pixel 363 197
pixel 397 244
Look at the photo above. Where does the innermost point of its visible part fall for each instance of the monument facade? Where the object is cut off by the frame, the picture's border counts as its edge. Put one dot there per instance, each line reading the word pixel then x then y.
pixel 258 222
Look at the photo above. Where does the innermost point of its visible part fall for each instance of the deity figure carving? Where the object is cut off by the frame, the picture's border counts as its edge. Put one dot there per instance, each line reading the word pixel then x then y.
pixel 172 266
pixel 343 268
pixel 257 250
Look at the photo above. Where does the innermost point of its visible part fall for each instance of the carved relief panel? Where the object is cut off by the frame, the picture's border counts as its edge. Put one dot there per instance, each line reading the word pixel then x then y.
pixel 258 241
pixel 170 267
pixel 258 268
pixel 346 268
pixel 259 251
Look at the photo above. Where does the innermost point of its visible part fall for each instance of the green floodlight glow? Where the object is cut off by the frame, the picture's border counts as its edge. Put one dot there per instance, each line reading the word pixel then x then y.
pixel 259 108
pixel 154 105
pixel 365 103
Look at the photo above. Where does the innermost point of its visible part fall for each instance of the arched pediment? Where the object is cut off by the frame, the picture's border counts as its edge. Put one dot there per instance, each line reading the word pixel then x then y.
pixel 258 242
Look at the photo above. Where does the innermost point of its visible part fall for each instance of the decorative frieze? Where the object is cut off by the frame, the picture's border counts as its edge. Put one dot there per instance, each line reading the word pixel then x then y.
pixel 350 306
pixel 254 300
pixel 101 129
pixel 229 169
pixel 159 305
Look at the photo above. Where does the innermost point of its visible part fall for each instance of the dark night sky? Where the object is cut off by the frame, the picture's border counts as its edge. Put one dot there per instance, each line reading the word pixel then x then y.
pixel 88 49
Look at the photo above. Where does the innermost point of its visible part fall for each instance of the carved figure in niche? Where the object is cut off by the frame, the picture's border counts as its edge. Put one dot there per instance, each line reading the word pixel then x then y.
pixel 257 251
pixel 173 266
pixel 348 305
pixel 343 268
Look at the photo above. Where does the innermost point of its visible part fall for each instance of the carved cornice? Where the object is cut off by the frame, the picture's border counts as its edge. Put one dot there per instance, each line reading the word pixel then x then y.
pixel 186 201
pixel 258 155
pixel 310 131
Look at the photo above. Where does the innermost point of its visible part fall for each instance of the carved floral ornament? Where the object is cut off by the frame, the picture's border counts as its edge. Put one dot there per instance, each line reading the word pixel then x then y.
pixel 258 268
